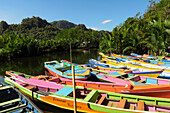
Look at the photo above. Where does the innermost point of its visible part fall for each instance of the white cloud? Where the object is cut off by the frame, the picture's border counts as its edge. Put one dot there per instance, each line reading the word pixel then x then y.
pixel 94 28
pixel 106 21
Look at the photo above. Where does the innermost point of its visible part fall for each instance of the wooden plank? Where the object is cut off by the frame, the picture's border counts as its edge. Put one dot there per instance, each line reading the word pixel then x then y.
pixel 132 107
pixel 101 100
pixel 110 104
pixel 115 104
pixel 64 91
pixel 140 106
pixel 92 96
pixel 14 108
pixel 10 101
pixel 122 103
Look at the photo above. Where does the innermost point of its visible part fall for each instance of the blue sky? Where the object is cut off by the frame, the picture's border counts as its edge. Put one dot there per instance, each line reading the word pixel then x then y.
pixel 89 12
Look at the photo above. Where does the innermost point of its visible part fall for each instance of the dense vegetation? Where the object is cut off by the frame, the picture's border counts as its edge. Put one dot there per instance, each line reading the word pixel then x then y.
pixel 149 33
pixel 35 36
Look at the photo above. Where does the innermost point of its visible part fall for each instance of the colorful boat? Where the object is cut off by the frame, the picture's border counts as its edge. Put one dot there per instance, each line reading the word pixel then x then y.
pixel 104 76
pixel 100 64
pixel 149 56
pixel 150 59
pixel 165 73
pixel 93 101
pixel 142 63
pixel 60 70
pixel 167 58
pixel 98 68
pixel 148 73
pixel 159 63
pixel 11 100
pixel 153 74
pixel 131 79
pixel 111 87
pixel 151 90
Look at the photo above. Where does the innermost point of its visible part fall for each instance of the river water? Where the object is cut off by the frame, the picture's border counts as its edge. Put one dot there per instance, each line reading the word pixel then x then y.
pixel 35 66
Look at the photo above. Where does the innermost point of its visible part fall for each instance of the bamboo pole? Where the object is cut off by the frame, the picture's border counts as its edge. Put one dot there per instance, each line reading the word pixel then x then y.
pixel 73 81
pixel 74 91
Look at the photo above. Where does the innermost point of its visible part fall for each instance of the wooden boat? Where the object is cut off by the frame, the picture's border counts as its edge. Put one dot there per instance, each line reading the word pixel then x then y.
pixel 104 76
pixel 151 90
pixel 149 56
pixel 132 79
pixel 167 58
pixel 60 70
pixel 142 63
pixel 98 68
pixel 165 64
pixel 148 73
pixel 165 73
pixel 154 74
pixel 91 100
pixel 100 64
pixel 11 100
pixel 111 87
pixel 150 59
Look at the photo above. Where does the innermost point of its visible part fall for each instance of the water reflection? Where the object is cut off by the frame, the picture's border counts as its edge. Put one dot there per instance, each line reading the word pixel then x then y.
pixel 34 65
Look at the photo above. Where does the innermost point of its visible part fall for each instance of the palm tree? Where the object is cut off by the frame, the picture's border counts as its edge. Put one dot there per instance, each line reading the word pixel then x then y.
pixel 105 44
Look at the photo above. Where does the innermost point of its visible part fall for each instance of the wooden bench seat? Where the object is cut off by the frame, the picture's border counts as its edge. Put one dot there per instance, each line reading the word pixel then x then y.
pixel 122 103
pixel 115 104
pixel 64 91
pixel 140 106
pixel 92 96
pixel 112 104
pixel 101 100
pixel 10 101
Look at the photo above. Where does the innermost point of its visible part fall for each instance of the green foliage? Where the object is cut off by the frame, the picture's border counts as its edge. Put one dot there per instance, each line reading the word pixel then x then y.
pixel 3 26
pixel 63 24
pixel 147 34
pixel 35 36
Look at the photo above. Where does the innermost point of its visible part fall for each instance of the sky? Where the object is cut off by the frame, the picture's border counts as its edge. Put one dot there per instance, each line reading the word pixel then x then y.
pixel 95 14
